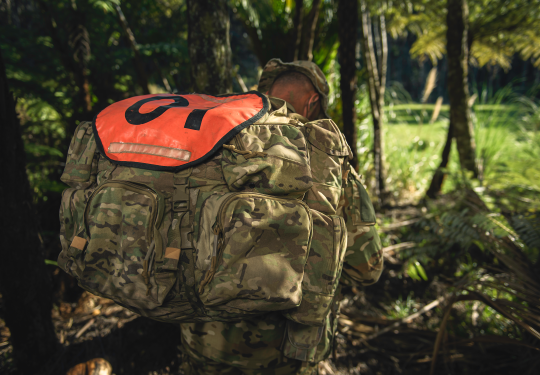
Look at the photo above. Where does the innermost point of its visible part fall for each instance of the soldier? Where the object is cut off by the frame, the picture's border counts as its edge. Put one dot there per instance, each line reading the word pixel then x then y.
pixel 255 346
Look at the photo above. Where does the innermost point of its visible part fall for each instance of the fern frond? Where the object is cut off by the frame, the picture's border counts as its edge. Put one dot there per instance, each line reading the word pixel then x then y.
pixel 431 44
pixel 527 226
pixel 492 52
pixel 528 45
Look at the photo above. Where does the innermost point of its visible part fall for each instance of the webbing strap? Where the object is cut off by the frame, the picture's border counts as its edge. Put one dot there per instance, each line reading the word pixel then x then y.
pixel 188 274
pixel 181 192
pixel 185 230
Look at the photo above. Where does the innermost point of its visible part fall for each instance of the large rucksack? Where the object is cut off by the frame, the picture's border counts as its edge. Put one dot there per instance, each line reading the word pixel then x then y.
pixel 239 221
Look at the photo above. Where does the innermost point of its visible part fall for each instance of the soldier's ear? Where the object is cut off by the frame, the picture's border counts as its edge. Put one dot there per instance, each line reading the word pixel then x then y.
pixel 313 101
pixel 312 109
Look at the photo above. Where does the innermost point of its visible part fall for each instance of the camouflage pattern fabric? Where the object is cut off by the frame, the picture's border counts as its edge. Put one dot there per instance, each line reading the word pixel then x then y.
pixel 336 189
pixel 256 239
pixel 275 67
pixel 252 346
pixel 364 258
pixel 266 225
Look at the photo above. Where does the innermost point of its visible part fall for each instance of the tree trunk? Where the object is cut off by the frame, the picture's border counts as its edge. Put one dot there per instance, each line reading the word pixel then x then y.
pixel 347 26
pixel 142 77
pixel 308 31
pixel 438 178
pixel 298 24
pixel 458 88
pixel 79 41
pixel 24 281
pixel 376 88
pixel 209 46
pixel 74 60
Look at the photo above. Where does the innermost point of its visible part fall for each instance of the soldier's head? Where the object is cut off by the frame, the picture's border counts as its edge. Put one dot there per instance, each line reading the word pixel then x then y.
pixel 301 83
pixel 297 90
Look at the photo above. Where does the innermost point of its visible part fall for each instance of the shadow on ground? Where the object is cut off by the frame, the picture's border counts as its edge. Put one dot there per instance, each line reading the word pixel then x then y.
pixel 141 346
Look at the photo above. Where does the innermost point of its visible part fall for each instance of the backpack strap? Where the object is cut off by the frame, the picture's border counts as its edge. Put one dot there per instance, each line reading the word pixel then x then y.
pixel 182 234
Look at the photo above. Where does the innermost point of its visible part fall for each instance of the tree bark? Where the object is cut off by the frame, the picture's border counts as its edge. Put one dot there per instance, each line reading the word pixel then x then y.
pixel 79 41
pixel 376 88
pixel 24 281
pixel 209 46
pixel 308 31
pixel 74 61
pixel 458 88
pixel 347 26
pixel 142 77
pixel 298 25
pixel 438 177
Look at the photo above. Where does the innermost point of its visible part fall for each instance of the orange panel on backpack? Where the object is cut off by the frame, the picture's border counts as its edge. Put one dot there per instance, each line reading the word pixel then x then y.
pixel 173 132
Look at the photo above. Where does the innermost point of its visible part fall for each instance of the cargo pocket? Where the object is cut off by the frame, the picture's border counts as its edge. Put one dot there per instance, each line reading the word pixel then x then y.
pixel 327 153
pixel 357 208
pixel 302 341
pixel 268 159
pixel 323 270
pixel 71 260
pixel 125 255
pixel 71 227
pixel 257 248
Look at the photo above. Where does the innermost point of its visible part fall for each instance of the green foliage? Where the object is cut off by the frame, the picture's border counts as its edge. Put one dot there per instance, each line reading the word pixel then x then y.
pixel 498 30
pixel 507 139
pixel 527 226
pixel 43 71
pixel 402 307
pixel 270 26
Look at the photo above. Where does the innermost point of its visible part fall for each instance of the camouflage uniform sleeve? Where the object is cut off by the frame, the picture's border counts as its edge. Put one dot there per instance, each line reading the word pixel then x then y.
pixel 363 263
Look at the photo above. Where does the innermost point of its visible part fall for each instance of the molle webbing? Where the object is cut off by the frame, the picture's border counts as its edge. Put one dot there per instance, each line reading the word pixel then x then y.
pixel 185 236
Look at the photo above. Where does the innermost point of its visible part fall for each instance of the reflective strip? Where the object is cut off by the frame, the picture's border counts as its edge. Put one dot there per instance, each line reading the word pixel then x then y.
pixel 137 148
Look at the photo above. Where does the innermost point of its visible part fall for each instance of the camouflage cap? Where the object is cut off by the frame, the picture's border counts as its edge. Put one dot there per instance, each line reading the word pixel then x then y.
pixel 276 67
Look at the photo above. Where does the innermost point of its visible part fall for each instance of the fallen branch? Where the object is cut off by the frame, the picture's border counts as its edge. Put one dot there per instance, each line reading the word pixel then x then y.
pixel 327 368
pixel 399 246
pixel 406 320
pixel 405 223
pixel 85 328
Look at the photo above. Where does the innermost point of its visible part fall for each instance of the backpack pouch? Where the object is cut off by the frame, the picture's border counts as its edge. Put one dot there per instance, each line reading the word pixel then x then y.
pixel 269 159
pixel 327 152
pixel 125 258
pixel 356 209
pixel 71 219
pixel 312 343
pixel 302 341
pixel 253 250
pixel 323 269
pixel 81 164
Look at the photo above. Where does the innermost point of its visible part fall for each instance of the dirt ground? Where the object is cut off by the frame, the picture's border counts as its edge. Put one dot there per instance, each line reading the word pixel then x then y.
pixel 367 343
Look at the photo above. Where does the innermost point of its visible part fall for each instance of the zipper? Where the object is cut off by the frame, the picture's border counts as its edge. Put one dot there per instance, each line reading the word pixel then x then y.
pixel 156 210
pixel 219 241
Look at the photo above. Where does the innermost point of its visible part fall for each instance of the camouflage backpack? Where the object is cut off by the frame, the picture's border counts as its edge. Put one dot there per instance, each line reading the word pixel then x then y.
pixel 239 221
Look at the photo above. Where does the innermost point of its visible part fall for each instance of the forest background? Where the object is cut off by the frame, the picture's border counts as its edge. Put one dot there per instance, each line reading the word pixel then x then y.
pixel 439 101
